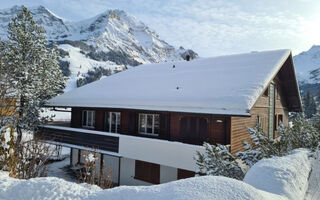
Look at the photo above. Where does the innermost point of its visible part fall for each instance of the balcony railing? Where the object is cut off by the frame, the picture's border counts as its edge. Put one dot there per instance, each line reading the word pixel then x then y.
pixel 168 153
pixel 67 135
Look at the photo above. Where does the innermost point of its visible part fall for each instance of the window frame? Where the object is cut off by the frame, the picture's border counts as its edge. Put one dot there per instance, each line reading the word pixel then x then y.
pixel 146 123
pixel 93 119
pixel 108 120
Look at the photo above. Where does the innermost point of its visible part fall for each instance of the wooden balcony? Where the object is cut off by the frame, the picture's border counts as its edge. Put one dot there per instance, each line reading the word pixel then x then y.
pixel 159 151
pixel 65 135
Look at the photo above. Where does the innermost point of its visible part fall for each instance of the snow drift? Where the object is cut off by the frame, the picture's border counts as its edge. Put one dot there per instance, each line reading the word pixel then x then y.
pixel 286 176
pixel 274 178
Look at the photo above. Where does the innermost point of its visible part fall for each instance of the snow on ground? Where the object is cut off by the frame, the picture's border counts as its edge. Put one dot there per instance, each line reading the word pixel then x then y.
pixel 313 192
pixel 284 178
pixel 61 169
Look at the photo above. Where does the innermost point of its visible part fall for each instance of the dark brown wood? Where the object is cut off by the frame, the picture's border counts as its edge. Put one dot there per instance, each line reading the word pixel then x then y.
pixel 119 170
pixel 182 174
pixel 193 130
pixel 71 156
pixel 148 172
pixel 108 143
pixel 79 156
pixel 101 166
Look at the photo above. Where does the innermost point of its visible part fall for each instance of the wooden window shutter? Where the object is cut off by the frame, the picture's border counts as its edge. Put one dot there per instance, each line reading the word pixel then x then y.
pixel 148 172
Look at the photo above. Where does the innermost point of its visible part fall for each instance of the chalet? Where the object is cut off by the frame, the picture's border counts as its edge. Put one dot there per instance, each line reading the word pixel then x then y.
pixel 147 122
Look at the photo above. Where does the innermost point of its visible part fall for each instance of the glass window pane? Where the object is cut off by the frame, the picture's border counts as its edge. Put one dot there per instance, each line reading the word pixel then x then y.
pixel 93 118
pixel 84 118
pixel 118 122
pixel 113 122
pixel 149 123
pixel 142 126
pixel 156 124
pixel 106 122
pixel 89 122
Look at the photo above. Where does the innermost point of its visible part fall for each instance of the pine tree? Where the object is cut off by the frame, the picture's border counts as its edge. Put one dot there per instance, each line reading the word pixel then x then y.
pixel 218 161
pixel 318 99
pixel 35 69
pixel 309 104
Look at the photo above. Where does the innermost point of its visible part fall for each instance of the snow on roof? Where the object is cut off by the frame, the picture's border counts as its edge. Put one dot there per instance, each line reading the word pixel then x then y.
pixel 218 85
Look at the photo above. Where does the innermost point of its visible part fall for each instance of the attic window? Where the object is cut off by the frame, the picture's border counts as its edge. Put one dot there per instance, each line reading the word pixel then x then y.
pixel 266 92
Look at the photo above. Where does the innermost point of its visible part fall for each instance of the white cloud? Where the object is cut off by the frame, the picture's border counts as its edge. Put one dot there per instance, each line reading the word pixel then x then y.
pixel 210 27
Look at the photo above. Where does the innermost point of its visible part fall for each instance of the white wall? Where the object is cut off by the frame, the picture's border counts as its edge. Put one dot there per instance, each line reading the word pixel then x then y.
pixel 74 158
pixel 127 173
pixel 173 154
pixel 168 174
pixel 111 164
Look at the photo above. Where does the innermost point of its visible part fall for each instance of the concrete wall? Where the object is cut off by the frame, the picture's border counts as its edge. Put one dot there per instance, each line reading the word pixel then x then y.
pixel 74 158
pixel 173 154
pixel 111 167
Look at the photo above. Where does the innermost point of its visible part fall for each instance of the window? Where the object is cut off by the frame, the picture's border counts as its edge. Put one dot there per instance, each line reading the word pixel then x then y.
pixel 88 118
pixel 280 119
pixel 149 124
pixel 148 172
pixel 112 122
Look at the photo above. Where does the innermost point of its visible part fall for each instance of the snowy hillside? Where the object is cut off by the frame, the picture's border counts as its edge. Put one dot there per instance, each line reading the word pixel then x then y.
pixel 111 40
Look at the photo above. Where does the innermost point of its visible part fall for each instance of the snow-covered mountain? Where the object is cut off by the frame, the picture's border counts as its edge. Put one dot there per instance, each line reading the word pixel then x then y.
pixel 307 64
pixel 111 40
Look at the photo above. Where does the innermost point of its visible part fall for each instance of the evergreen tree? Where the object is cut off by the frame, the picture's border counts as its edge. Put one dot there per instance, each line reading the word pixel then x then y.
pixel 218 161
pixel 309 105
pixel 35 69
pixel 318 99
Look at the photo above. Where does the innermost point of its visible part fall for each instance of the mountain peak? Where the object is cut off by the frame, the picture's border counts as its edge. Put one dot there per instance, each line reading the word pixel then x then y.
pixel 113 39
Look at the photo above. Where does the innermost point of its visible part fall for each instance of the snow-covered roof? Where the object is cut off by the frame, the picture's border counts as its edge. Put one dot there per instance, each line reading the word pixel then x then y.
pixel 218 85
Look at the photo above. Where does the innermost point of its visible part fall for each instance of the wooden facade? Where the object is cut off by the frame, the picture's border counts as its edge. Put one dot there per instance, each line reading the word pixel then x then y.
pixel 260 112
pixel 183 127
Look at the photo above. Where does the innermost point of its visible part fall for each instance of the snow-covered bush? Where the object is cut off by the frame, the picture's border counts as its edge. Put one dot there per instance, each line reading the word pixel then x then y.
pixel 28 158
pixel 304 133
pixel 260 146
pixel 217 160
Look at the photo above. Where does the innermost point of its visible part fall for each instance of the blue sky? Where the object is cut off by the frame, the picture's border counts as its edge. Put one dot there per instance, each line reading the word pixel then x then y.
pixel 211 27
